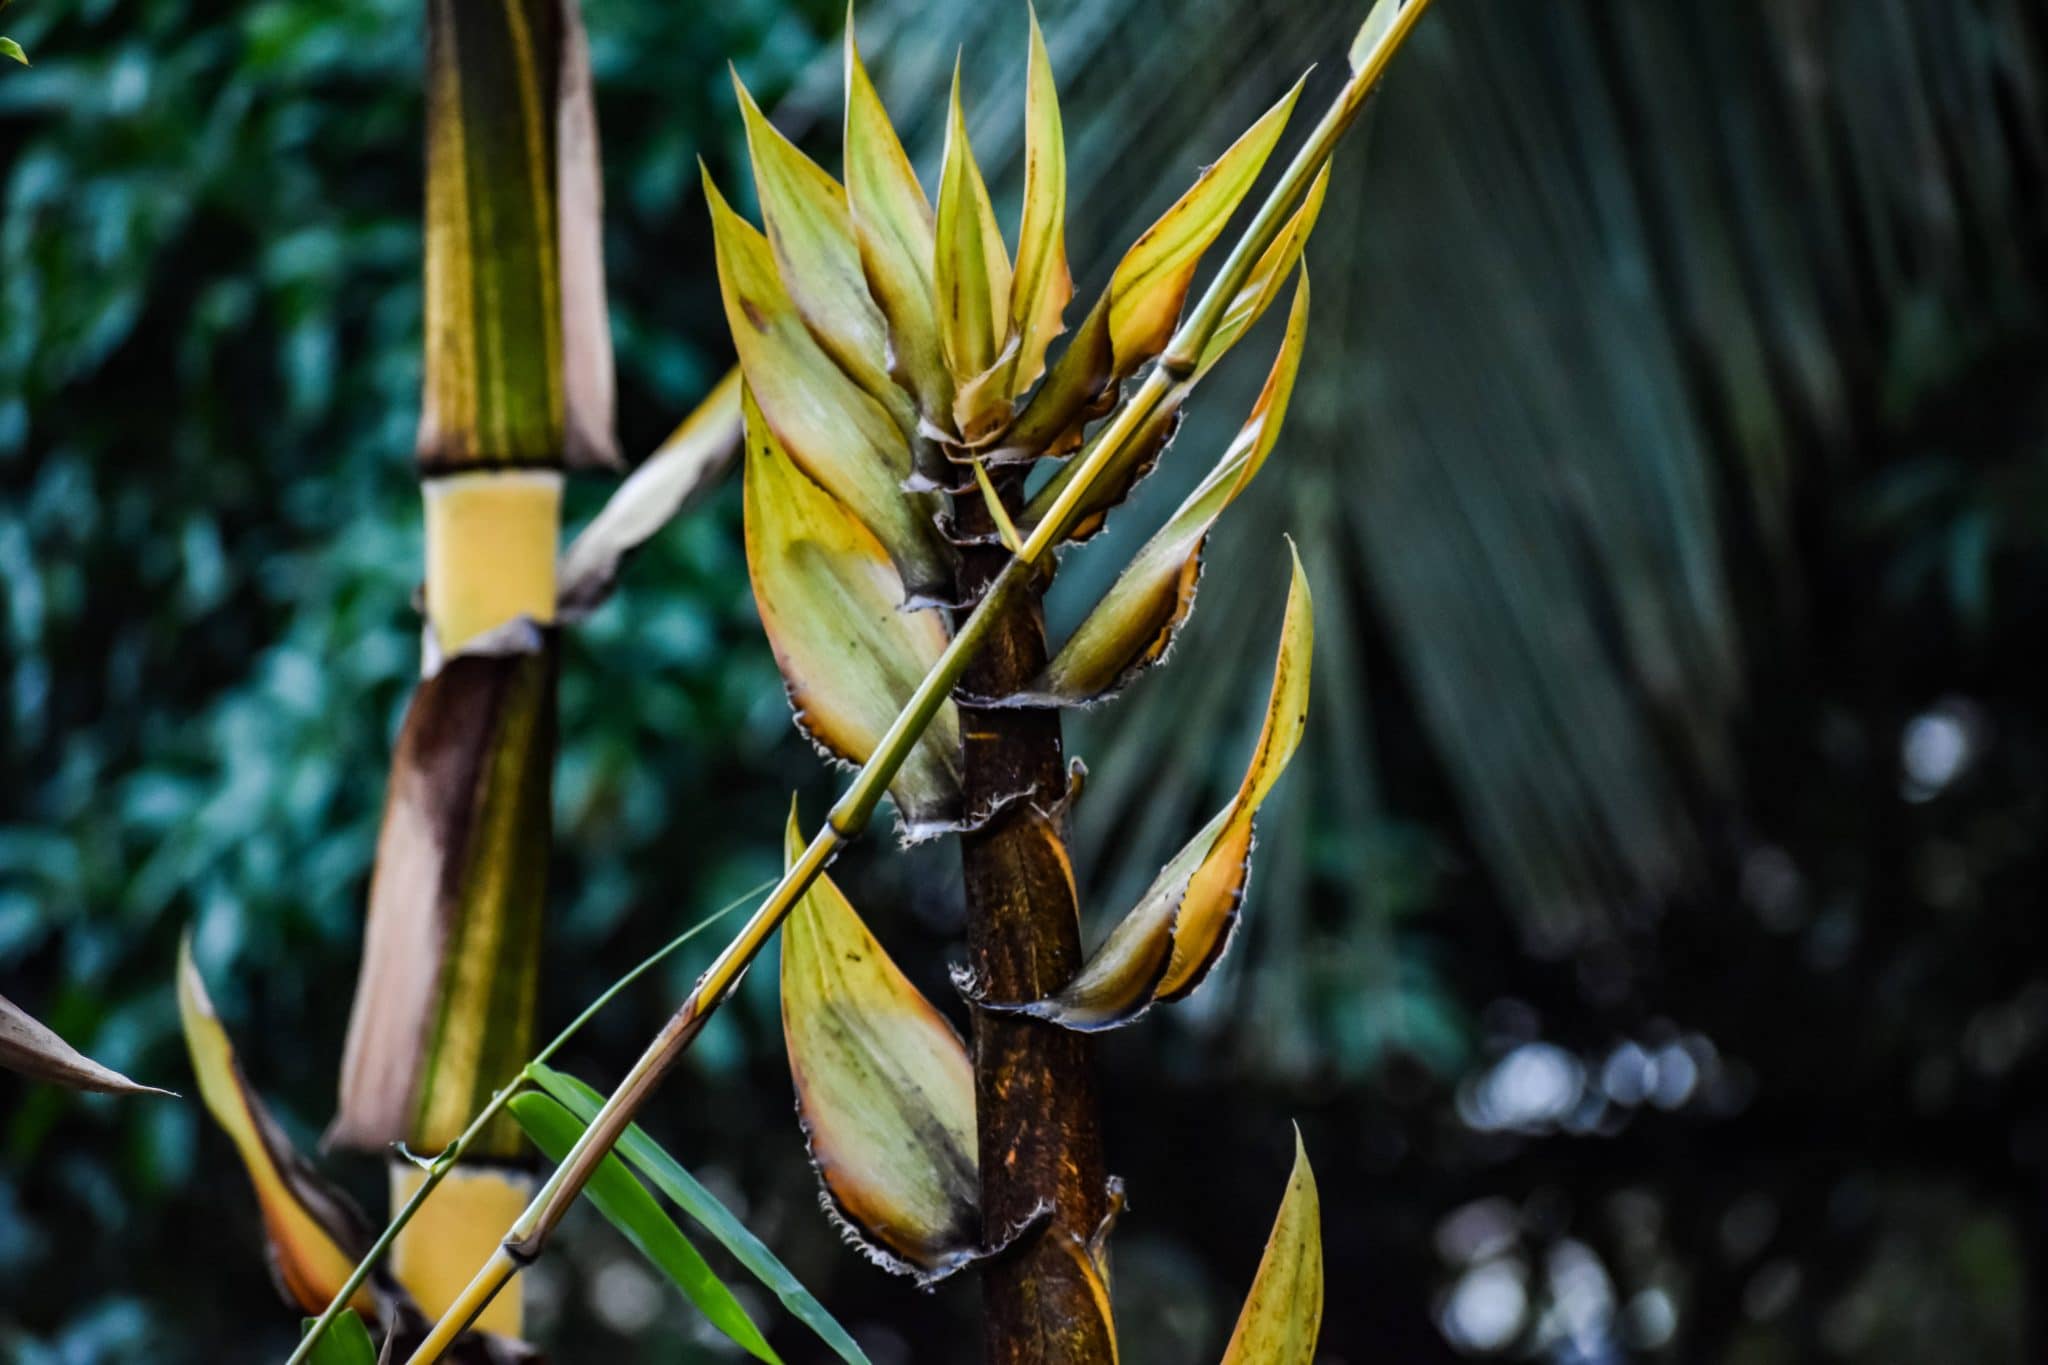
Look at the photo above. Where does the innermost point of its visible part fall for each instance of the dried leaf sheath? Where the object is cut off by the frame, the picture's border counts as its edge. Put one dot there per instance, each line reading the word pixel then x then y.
pixel 1283 1314
pixel 34 1051
pixel 313 1233
pixel 884 1088
pixel 833 608
pixel 444 1003
pixel 1165 945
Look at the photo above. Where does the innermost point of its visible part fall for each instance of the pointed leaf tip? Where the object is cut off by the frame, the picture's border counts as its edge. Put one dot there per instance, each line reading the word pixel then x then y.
pixel 315 1234
pixel 972 276
pixel 1283 1314
pixel 29 1048
pixel 1135 624
pixel 1164 947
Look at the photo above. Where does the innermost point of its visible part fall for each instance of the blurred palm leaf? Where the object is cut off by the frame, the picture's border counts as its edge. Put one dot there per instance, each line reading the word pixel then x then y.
pixel 1632 283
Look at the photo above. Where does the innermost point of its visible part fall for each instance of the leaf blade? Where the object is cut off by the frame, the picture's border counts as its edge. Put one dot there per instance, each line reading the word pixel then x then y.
pixel 345 1342
pixel 833 609
pixel 884 1088
pixel 1043 284
pixel 972 275
pixel 625 1203
pixel 33 1050
pixel 669 1176
pixel 315 1235
pixel 1283 1313
pixel 838 434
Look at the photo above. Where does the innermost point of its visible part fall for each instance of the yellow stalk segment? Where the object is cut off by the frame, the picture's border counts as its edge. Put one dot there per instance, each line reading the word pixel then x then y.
pixel 491 547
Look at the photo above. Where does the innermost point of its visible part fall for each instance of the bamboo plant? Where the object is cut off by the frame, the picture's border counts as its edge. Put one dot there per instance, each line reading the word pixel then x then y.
pixel 518 389
pixel 900 415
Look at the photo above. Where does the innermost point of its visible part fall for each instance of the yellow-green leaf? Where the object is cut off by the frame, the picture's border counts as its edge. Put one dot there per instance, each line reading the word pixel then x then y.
pixel 833 608
pixel 10 48
pixel 838 434
pixel 1165 945
pixel 1267 277
pixel 1135 623
pixel 315 1235
pixel 451 951
pixel 1043 285
pixel 893 222
pixel 1284 1312
pixel 1151 282
pixel 34 1051
pixel 884 1089
pixel 972 273
pixel 811 231
pixel 1136 315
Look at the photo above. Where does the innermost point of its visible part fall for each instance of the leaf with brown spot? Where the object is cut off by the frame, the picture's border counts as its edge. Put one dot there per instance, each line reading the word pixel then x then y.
pixel 885 1090
pixel 892 221
pixel 811 232
pixel 835 432
pixel 1042 285
pixel 315 1235
pixel 35 1052
pixel 1135 623
pixel 1283 1314
pixel 833 608
pixel 1166 944
pixel 972 272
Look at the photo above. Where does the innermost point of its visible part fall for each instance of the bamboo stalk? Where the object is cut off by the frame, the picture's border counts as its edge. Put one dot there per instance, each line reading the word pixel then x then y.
pixel 526 1239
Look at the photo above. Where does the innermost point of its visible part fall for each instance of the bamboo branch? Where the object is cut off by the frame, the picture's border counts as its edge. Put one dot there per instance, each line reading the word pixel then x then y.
pixel 528 1236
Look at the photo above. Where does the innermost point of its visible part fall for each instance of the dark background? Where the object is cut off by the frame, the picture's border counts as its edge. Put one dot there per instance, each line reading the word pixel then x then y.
pixel 1648 939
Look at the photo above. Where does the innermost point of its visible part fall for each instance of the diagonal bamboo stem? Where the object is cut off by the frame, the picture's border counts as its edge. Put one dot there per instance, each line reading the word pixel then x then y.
pixel 528 1236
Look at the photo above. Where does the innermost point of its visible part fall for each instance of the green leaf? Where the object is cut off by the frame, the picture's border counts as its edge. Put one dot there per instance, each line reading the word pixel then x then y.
pixel 973 277
pixel 625 1202
pixel 10 48
pixel 346 1342
pixel 668 1175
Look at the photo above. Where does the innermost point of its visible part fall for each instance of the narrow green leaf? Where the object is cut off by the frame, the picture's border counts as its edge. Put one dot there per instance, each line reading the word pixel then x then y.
pixel 1283 1314
pixel 669 1176
pixel 627 1205
pixel 10 48
pixel 346 1342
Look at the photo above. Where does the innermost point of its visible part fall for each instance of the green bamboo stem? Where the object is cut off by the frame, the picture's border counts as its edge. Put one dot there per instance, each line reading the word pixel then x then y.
pixel 527 1238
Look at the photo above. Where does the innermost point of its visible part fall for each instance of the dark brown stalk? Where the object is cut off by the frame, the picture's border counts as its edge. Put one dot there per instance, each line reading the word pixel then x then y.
pixel 1040 1132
